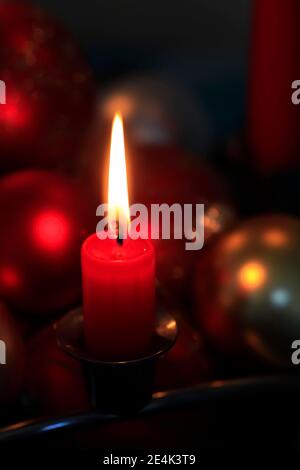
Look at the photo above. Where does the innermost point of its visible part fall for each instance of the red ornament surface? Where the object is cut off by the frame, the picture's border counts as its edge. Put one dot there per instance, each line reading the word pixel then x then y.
pixel 49 90
pixel 187 363
pixel 44 220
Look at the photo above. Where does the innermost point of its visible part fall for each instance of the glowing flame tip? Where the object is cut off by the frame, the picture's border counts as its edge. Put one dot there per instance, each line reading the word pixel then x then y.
pixel 118 203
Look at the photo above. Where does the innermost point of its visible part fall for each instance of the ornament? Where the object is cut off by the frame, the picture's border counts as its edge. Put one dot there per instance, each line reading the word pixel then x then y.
pixel 247 288
pixel 12 358
pixel 187 363
pixel 167 175
pixel 54 381
pixel 44 219
pixel 157 111
pixel 49 91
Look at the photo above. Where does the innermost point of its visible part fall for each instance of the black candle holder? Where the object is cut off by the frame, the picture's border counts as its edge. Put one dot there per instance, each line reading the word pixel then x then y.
pixel 119 387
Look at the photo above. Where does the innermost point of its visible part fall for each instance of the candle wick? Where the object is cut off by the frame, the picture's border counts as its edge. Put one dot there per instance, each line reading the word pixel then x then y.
pixel 119 237
pixel 119 240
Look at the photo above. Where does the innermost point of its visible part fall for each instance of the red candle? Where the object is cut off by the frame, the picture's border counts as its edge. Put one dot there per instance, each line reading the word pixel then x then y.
pixel 273 120
pixel 118 278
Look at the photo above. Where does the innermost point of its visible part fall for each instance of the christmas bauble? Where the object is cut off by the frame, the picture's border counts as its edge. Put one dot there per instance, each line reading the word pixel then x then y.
pixel 168 175
pixel 11 358
pixel 247 288
pixel 44 219
pixel 54 381
pixel 187 363
pixel 49 91
pixel 157 111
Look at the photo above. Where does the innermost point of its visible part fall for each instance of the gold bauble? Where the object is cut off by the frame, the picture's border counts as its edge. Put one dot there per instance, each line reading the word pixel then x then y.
pixel 248 288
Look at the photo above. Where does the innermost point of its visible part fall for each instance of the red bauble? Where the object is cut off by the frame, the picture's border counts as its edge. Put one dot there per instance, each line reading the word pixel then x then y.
pixel 54 381
pixel 11 373
pixel 168 175
pixel 49 90
pixel 44 219
pixel 187 363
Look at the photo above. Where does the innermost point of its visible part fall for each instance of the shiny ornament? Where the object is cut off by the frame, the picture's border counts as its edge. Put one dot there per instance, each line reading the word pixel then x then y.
pixel 44 219
pixel 12 369
pixel 247 288
pixel 49 91
pixel 157 111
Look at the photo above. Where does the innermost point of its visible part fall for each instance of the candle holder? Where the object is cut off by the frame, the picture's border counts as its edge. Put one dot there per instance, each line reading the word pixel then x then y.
pixel 119 387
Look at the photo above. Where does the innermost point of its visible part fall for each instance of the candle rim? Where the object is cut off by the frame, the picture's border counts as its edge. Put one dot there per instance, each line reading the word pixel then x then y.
pixel 149 252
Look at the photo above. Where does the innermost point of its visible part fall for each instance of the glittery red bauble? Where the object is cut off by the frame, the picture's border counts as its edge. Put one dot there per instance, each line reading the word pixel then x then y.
pixel 49 91
pixel 44 219
pixel 11 373
pixel 54 381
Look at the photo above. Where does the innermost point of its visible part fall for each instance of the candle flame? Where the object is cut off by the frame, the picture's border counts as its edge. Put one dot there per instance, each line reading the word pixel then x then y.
pixel 118 204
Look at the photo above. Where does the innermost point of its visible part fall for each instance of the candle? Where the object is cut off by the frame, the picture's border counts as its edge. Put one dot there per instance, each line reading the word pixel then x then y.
pixel 274 121
pixel 118 276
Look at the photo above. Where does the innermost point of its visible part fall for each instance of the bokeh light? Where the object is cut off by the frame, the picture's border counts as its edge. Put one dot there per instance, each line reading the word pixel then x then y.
pixel 252 275
pixel 51 230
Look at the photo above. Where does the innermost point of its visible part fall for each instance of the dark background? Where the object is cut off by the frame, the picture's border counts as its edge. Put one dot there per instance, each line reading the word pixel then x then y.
pixel 202 44
pixel 203 26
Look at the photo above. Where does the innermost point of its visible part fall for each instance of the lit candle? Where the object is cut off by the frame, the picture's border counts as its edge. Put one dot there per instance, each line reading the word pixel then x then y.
pixel 118 276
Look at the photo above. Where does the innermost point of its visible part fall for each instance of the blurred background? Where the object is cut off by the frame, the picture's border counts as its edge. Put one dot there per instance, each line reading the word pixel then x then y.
pixel 207 27
pixel 203 45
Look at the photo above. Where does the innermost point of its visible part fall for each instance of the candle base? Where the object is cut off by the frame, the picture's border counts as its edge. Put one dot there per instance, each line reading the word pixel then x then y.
pixel 120 387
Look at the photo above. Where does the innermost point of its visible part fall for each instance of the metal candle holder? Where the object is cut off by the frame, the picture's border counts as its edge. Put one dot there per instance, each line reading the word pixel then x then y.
pixel 120 387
